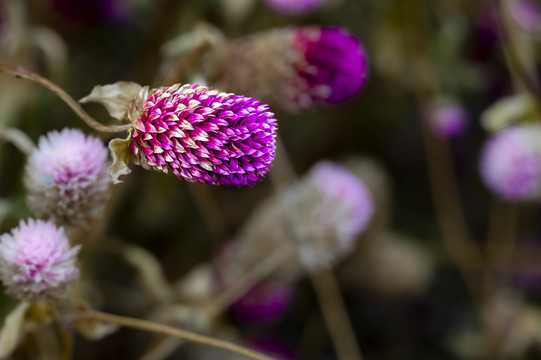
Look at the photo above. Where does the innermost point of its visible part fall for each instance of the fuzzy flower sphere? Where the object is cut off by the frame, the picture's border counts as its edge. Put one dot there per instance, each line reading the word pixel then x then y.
pixel 325 212
pixel 293 7
pixel 203 135
pixel 511 163
pixel 36 261
pixel 66 177
pixel 292 69
pixel 449 121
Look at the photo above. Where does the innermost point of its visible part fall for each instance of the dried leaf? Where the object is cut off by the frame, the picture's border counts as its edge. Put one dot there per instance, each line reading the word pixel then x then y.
pixel 150 271
pixel 94 329
pixel 9 335
pixel 122 156
pixel 115 97
pixel 509 111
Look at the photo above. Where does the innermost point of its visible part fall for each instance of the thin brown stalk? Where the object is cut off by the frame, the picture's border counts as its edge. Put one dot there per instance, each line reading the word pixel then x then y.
pixel 501 242
pixel 519 69
pixel 55 89
pixel 501 250
pixel 171 331
pixel 327 289
pixel 209 209
pixel 66 335
pixel 335 315
pixel 282 172
pixel 187 62
pixel 457 240
pixel 256 274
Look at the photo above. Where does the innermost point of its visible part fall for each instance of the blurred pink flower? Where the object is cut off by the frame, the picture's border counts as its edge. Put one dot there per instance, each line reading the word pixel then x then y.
pixel 511 163
pixel 325 211
pixel 66 177
pixel 448 121
pixel 36 261
pixel 292 69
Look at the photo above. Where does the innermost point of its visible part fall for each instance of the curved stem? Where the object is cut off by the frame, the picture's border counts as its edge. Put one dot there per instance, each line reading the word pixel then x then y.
pixel 19 139
pixel 335 315
pixel 456 237
pixel 171 331
pixel 186 62
pixel 66 335
pixel 519 69
pixel 256 274
pixel 74 105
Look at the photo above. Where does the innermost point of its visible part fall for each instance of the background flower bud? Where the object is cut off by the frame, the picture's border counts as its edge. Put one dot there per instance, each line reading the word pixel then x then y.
pixel 292 69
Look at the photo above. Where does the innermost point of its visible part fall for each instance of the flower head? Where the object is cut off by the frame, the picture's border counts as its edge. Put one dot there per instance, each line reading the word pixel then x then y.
pixel 325 211
pixel 66 177
pixel 203 135
pixel 36 261
pixel 293 8
pixel 314 223
pixel 448 121
pixel 511 163
pixel 292 69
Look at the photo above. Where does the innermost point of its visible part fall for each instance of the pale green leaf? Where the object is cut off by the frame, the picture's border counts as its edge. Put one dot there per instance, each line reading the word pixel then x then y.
pixel 9 335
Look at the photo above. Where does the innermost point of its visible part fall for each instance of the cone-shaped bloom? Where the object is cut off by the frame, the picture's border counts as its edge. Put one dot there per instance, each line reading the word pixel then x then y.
pixel 264 302
pixel 511 163
pixel 448 121
pixel 293 7
pixel 36 261
pixel 292 69
pixel 203 135
pixel 66 177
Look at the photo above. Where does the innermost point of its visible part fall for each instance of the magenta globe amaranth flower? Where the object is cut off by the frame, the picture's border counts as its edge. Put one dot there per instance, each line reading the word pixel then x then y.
pixel 203 135
pixel 66 177
pixel 511 163
pixel 264 302
pixel 293 7
pixel 448 121
pixel 36 261
pixel 292 69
